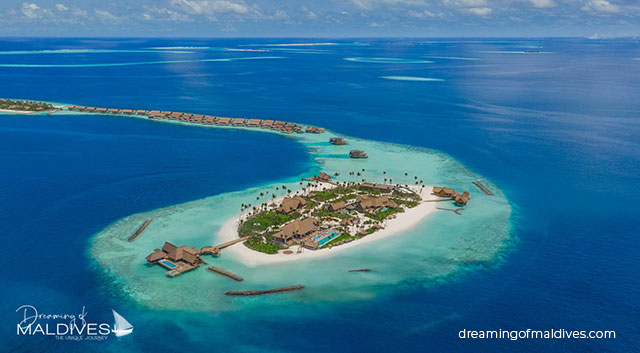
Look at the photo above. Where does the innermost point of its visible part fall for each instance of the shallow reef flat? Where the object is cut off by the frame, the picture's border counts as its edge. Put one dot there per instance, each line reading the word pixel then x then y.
pixel 438 246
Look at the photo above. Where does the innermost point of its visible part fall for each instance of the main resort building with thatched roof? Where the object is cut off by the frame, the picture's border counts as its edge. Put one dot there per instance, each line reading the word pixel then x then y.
pixel 296 230
pixel 177 259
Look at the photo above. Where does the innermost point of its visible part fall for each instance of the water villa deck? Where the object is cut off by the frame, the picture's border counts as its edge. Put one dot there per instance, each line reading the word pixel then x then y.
pixel 140 230
pixel 245 293
pixel 281 126
pixel 176 259
pixel 451 194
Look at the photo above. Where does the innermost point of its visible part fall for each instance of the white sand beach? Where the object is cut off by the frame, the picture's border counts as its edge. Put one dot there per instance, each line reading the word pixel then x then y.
pixel 402 222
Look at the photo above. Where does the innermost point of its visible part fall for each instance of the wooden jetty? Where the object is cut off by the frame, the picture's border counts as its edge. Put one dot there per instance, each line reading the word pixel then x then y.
pixel 140 230
pixel 215 250
pixel 246 293
pixel 456 211
pixel 361 270
pixel 440 199
pixel 224 272
pixel 481 187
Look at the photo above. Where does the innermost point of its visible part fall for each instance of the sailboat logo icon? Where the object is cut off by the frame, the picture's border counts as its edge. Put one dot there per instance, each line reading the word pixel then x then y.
pixel 121 327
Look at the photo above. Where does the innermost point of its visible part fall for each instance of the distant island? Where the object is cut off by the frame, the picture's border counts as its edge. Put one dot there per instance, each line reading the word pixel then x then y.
pixel 25 107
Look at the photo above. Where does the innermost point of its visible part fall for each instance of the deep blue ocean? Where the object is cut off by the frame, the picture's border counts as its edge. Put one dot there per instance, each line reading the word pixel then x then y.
pixel 558 131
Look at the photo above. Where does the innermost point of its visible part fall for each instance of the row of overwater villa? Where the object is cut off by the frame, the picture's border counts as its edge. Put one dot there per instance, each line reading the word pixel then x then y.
pixel 278 125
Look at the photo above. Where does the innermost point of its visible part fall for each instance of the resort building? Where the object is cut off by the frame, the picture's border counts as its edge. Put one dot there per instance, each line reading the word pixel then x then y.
pixel 461 200
pixel 239 122
pixel 358 154
pixel 314 130
pixel 296 230
pixel 371 204
pixel 442 191
pixel 292 204
pixel 254 122
pixel 223 121
pixel 337 206
pixel 337 141
pixel 382 187
pixel 177 259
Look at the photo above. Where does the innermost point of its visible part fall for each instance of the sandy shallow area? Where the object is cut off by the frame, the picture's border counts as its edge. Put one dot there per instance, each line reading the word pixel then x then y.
pixel 402 222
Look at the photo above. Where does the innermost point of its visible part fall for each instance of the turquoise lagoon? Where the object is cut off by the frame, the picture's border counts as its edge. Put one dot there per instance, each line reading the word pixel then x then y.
pixel 442 244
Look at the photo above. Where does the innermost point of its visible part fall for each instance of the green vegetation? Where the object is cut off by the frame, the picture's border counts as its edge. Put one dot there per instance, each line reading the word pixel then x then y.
pixel 408 203
pixel 29 106
pixel 258 244
pixel 323 213
pixel 382 215
pixel 328 194
pixel 257 224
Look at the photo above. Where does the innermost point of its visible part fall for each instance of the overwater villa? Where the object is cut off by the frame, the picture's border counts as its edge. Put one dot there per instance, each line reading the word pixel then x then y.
pixel 176 259
pixel 443 191
pixel 358 154
pixel 450 193
pixel 323 177
pixel 337 141
pixel 314 130
pixel 239 122
pixel 462 199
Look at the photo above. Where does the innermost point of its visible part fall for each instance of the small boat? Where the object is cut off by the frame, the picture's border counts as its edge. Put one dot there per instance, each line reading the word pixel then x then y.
pixel 121 326
pixel 361 270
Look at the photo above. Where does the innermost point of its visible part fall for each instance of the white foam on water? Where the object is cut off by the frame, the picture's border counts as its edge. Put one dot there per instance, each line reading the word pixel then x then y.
pixel 412 78
pixel 389 60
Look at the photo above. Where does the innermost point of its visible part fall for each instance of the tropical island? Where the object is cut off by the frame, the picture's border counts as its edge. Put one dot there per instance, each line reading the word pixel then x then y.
pixel 25 107
pixel 330 214
pixel 327 213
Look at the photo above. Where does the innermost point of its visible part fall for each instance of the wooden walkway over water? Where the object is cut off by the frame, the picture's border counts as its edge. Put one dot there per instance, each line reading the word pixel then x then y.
pixel 456 211
pixel 440 199
pixel 140 230
pixel 224 272
pixel 481 187
pixel 215 250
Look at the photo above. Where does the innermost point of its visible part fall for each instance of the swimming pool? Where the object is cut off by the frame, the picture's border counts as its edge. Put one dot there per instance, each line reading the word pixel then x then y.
pixel 168 264
pixel 332 234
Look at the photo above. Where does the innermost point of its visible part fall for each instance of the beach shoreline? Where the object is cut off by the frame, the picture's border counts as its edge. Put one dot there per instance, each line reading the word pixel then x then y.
pixel 251 258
